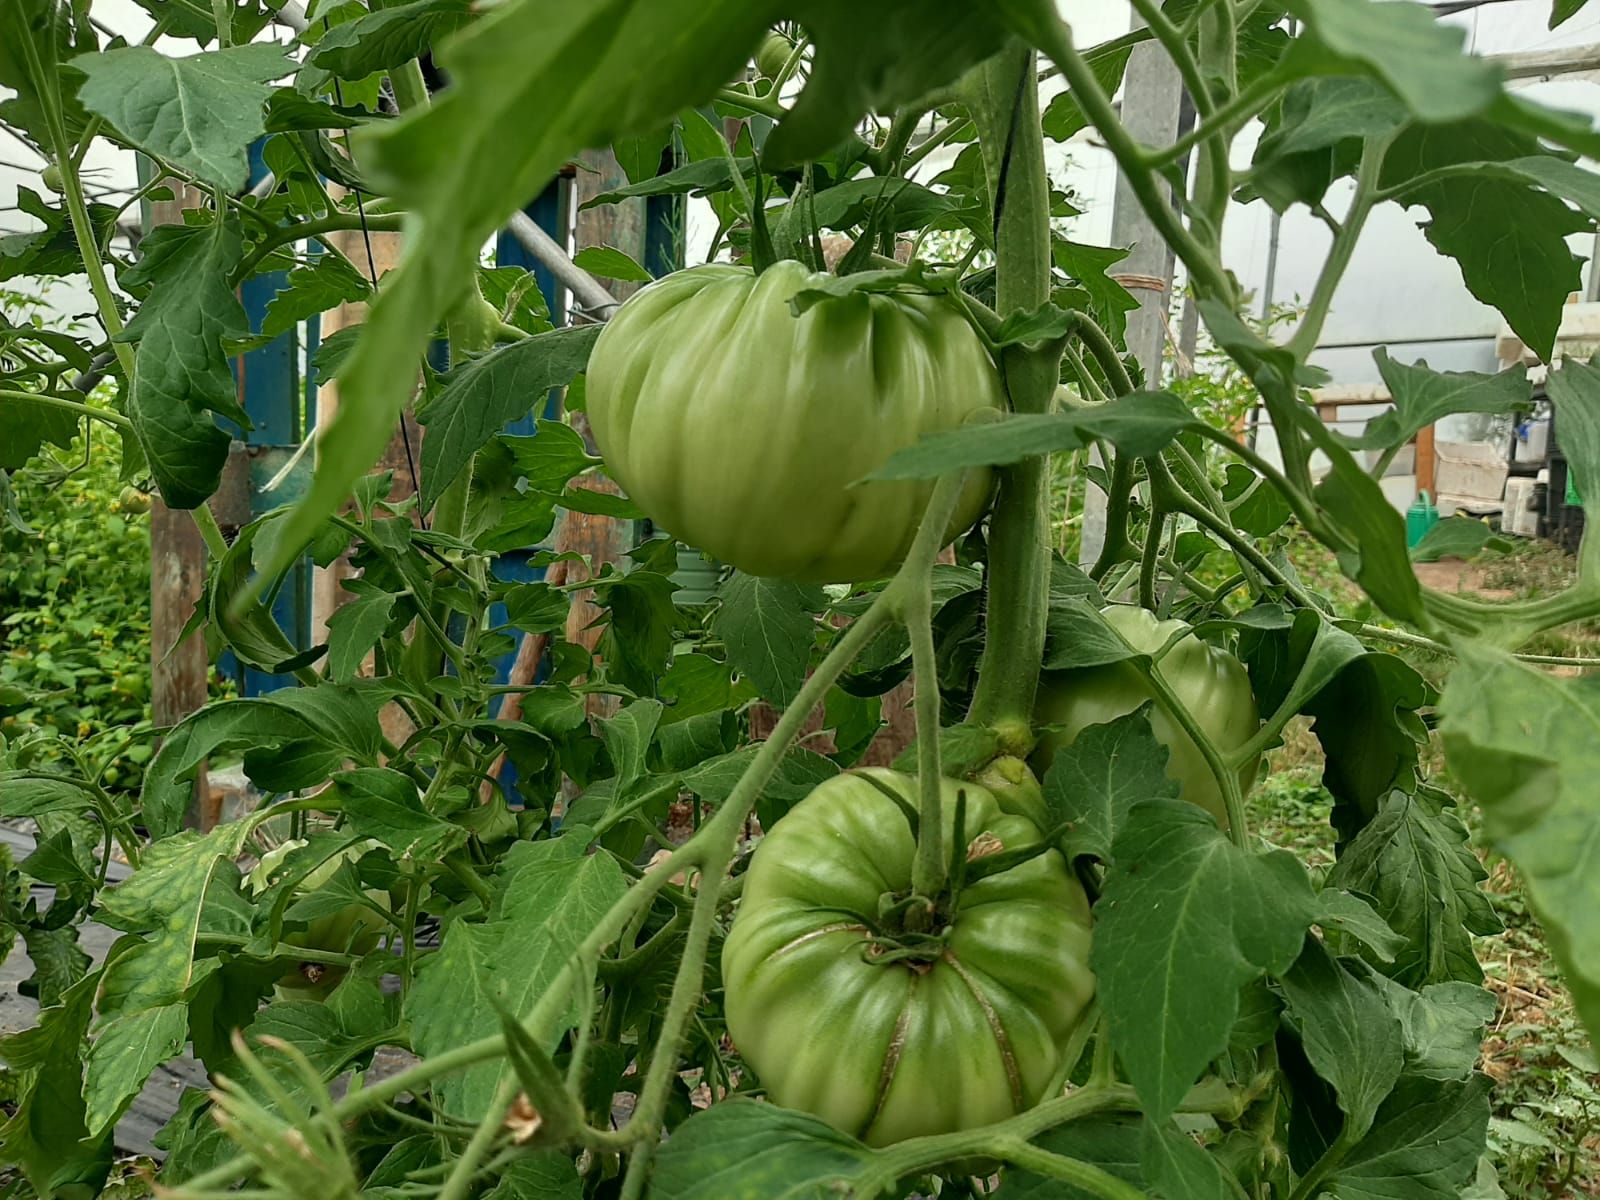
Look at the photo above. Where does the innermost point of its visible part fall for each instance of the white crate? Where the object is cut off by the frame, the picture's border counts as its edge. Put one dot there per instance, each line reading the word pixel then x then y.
pixel 1469 471
pixel 1519 516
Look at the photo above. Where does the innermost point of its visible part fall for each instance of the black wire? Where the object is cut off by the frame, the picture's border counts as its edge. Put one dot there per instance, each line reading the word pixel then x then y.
pixel 372 274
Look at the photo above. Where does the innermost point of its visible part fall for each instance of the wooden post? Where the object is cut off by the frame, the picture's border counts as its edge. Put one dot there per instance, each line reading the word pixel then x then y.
pixel 1152 102
pixel 1426 460
pixel 327 584
pixel 178 670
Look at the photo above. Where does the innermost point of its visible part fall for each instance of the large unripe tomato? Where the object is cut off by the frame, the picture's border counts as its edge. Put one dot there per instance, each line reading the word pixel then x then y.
pixel 740 427
pixel 885 1047
pixel 1210 683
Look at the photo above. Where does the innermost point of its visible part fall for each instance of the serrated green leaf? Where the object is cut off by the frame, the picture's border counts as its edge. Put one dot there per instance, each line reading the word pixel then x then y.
pixel 768 626
pixel 126 1050
pixel 479 399
pixel 1094 783
pixel 381 803
pixel 1141 424
pixel 388 37
pixel 1185 920
pixel 1348 1033
pixel 551 897
pixel 1424 1143
pixel 1342 912
pixel 309 290
pixel 743 1149
pixel 1412 863
pixel 610 263
pixel 1534 779
pixel 1422 396
pixel 1403 44
pixel 353 630
pixel 201 111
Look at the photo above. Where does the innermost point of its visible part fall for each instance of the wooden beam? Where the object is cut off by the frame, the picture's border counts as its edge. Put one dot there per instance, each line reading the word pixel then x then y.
pixel 600 540
pixel 178 669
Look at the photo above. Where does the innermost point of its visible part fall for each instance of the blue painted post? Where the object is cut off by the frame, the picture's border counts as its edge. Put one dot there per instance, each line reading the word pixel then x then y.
pixel 270 391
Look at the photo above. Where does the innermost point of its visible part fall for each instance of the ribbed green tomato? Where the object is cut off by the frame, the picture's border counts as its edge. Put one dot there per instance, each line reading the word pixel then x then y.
pixel 740 427
pixel 887 1050
pixel 1210 683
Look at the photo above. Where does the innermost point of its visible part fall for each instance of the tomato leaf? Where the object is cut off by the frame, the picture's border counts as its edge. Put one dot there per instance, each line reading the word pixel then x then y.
pixel 1403 45
pixel 1534 779
pixel 1424 1142
pixel 1443 1025
pixel 127 1049
pixel 1179 1168
pixel 384 804
pixel 1347 1031
pixel 550 895
pixel 310 290
pixel 1186 920
pixel 353 630
pixel 1344 913
pixel 769 627
pixel 388 37
pixel 627 737
pixel 610 263
pixel 181 370
pixel 1413 864
pixel 46 1132
pixel 1422 396
pixel 1093 784
pixel 1141 424
pixel 202 110
pixel 479 399
pixel 746 1148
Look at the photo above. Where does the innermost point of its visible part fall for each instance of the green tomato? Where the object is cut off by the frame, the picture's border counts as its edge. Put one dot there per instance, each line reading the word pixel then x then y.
pixel 772 54
pixel 741 428
pixel 353 928
pixel 51 178
pixel 1210 683
pixel 884 1047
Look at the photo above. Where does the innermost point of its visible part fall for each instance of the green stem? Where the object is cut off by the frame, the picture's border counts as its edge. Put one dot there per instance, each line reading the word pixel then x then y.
pixel 1205 268
pixel 767 106
pixel 1082 1175
pixel 686 988
pixel 914 603
pixel 333 223
pixel 1151 556
pixel 410 88
pixel 1217 60
pixel 1224 122
pixel 1008 676
pixel 115 419
pixel 932 142
pixel 1401 638
pixel 1119 499
pixel 1298 503
pixel 1305 337
pixel 1099 344
pixel 1310 1184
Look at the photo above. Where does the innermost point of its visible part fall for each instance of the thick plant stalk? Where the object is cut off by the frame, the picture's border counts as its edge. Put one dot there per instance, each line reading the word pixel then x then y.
pixel 1006 111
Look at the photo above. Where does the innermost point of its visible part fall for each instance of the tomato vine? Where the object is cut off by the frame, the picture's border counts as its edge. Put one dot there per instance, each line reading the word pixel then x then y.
pixel 543 947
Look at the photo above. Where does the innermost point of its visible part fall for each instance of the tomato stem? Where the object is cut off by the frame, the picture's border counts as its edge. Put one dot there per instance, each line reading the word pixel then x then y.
pixel 1005 107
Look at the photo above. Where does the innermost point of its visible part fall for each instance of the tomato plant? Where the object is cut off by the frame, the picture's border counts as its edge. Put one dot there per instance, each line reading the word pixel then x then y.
pixel 562 875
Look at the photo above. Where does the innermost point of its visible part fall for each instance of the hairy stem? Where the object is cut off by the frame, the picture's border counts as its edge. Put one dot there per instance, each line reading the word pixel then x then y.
pixel 1007 117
